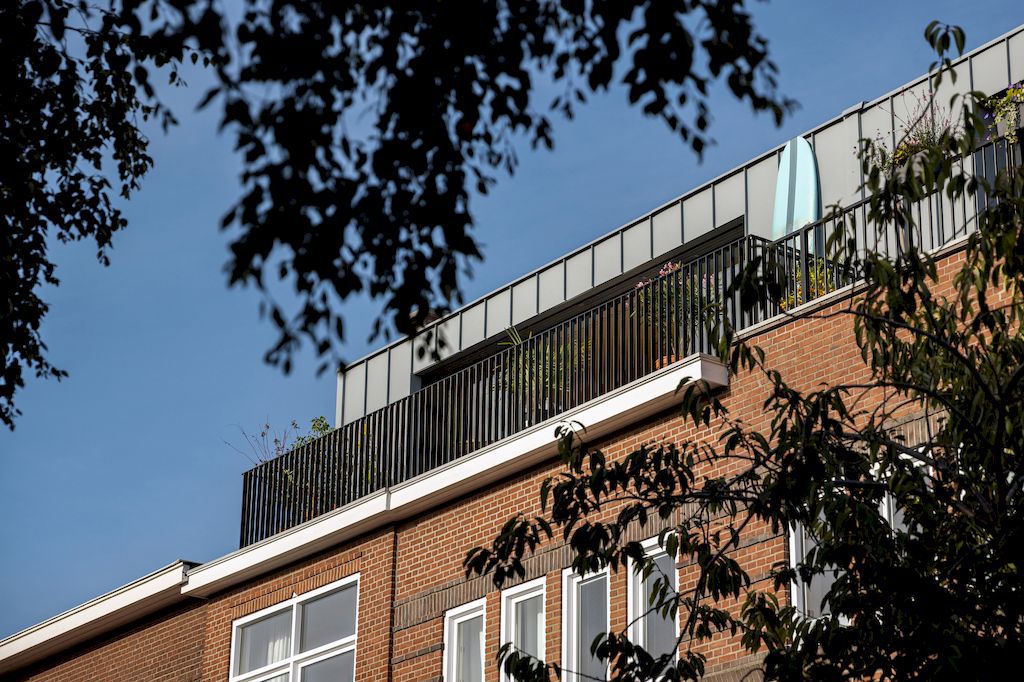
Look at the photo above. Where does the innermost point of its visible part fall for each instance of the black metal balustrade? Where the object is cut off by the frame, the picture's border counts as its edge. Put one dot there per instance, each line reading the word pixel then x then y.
pixel 535 379
pixel 529 381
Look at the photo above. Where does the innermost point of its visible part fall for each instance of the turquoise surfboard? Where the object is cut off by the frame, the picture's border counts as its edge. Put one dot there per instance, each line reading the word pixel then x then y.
pixel 797 198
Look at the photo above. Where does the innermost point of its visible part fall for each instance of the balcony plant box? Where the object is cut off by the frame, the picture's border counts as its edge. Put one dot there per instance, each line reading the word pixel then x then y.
pixel 1005 112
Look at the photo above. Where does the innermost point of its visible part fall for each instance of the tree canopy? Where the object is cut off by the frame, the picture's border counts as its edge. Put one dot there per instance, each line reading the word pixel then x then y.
pixel 364 129
pixel 930 589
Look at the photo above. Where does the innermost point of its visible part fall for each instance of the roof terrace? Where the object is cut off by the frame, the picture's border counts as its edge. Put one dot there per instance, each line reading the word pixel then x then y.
pixel 576 332
pixel 532 380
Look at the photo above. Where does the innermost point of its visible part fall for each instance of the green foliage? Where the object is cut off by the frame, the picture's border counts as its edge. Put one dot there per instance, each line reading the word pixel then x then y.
pixel 75 90
pixel 821 279
pixel 318 427
pixel 935 597
pixel 1005 108
pixel 921 131
pixel 269 443
pixel 541 367
pixel 364 129
pixel 677 296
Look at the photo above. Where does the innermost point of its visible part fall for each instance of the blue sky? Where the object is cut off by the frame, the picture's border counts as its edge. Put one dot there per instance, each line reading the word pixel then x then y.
pixel 125 466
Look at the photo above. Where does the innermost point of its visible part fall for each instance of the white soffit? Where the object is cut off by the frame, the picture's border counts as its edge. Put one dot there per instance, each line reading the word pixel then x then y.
pixel 118 607
pixel 601 416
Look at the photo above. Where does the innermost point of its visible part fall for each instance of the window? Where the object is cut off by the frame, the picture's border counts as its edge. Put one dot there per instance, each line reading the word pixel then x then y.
pixel 522 618
pixel 808 595
pixel 464 643
pixel 655 632
pixel 585 609
pixel 311 638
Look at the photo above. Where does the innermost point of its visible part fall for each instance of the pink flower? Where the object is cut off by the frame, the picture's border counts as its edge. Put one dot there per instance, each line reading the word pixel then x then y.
pixel 669 267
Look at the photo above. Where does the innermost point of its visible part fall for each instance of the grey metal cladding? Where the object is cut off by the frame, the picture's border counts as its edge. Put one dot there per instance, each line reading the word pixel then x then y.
pixel 697 214
pixel 377 382
pixel 355 392
pixel 667 229
pixel 579 273
pixel 449 337
pixel 730 199
pixel 423 350
pixel 607 259
pixel 990 69
pixel 499 312
pixel 761 195
pixel 1015 47
pixel 949 86
pixel 906 106
pixel 551 282
pixel 834 150
pixel 473 331
pixel 399 381
pixel 876 122
pixel 636 245
pixel 524 300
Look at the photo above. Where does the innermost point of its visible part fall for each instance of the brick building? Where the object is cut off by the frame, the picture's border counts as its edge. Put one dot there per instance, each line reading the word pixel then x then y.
pixel 350 564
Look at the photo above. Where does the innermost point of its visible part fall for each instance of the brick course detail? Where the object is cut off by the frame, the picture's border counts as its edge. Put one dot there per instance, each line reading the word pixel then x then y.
pixel 410 573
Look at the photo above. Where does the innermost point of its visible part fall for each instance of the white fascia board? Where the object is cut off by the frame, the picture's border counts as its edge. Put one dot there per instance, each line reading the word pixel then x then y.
pixel 601 416
pixel 326 530
pixel 123 605
pixel 181 580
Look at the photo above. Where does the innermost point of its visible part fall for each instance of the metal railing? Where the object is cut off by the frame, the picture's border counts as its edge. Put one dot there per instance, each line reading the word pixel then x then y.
pixel 529 381
pixel 535 379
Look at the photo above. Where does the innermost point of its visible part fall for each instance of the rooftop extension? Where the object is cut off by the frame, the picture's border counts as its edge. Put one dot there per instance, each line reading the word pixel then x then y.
pixel 607 315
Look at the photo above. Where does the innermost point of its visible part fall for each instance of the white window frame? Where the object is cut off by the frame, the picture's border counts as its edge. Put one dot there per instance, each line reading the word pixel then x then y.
pixel 570 581
pixel 888 506
pixel 452 618
pixel 512 596
pixel 637 605
pixel 886 509
pixel 295 660
pixel 796 587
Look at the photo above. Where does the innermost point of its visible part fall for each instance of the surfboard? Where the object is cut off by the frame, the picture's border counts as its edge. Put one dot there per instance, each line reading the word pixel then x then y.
pixel 797 197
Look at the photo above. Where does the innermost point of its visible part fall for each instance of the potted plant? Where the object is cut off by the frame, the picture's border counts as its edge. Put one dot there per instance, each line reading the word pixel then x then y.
pixel 821 280
pixel 672 297
pixel 921 131
pixel 1005 112
pixel 541 371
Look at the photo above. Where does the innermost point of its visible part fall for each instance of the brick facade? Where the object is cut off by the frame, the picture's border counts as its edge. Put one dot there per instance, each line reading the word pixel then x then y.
pixel 164 647
pixel 411 573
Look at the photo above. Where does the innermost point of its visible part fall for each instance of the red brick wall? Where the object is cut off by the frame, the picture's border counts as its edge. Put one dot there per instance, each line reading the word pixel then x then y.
pixel 164 647
pixel 371 557
pixel 417 566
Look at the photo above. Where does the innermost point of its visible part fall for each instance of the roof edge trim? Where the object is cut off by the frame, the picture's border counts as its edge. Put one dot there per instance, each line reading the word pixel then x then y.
pixel 96 616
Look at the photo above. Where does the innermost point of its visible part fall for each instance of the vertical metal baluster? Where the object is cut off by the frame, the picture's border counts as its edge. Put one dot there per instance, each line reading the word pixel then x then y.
pixel 497 380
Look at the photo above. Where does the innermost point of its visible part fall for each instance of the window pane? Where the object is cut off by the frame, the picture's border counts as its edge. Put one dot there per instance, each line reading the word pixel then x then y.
pixel 592 621
pixel 818 587
pixel 528 626
pixel 328 619
pixel 280 678
pixel 815 593
pixel 659 631
pixel 334 669
pixel 264 642
pixel 895 515
pixel 469 655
